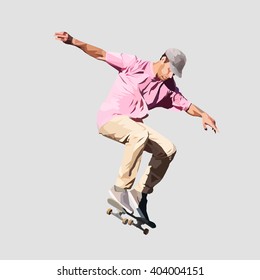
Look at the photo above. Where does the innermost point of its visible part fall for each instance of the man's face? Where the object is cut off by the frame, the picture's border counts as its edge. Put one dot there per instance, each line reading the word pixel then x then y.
pixel 164 71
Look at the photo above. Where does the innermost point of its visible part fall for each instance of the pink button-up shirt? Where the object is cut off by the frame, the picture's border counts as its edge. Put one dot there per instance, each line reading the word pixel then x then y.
pixel 137 90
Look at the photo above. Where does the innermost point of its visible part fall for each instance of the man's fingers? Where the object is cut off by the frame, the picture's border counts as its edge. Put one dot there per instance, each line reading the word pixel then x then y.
pixel 214 125
pixel 60 33
pixel 215 128
pixel 59 39
pixel 210 122
pixel 62 38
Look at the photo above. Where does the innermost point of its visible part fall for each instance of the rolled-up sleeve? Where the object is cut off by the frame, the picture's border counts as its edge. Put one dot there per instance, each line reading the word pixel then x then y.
pixel 179 102
pixel 120 61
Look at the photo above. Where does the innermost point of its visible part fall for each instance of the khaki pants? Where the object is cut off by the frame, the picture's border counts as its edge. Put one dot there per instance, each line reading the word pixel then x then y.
pixel 138 137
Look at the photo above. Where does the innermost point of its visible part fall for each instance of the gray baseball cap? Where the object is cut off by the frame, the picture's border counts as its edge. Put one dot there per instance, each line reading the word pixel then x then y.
pixel 177 60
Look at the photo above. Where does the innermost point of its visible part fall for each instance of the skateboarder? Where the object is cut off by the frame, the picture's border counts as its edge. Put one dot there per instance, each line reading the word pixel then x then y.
pixel 140 86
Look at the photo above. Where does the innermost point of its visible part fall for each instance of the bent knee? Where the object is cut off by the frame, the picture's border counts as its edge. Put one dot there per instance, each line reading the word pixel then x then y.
pixel 171 151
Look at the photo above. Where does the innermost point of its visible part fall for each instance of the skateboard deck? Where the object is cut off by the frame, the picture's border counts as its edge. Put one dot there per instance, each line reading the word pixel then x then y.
pixel 128 218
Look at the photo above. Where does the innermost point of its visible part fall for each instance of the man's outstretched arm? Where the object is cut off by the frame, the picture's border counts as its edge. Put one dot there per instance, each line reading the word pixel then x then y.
pixel 87 48
pixel 206 119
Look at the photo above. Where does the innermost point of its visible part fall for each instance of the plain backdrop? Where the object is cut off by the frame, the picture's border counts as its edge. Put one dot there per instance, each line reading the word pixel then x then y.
pixel 56 169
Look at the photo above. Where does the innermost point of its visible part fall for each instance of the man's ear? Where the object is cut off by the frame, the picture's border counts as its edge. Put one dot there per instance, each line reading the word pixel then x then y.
pixel 163 59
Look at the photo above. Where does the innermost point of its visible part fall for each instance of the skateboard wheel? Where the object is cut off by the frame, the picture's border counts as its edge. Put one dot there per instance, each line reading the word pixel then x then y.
pixel 125 221
pixel 130 222
pixel 109 211
pixel 146 231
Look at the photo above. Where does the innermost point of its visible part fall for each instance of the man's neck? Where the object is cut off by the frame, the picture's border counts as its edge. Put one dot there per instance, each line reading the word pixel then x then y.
pixel 156 66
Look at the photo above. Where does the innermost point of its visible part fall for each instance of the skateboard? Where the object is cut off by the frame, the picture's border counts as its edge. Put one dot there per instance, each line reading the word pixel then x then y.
pixel 128 218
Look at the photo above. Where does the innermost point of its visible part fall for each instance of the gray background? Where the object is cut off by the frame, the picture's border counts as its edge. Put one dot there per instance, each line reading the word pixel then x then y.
pixel 56 169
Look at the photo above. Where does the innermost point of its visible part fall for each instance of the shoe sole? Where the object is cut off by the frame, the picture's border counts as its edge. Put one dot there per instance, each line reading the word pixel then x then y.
pixel 140 213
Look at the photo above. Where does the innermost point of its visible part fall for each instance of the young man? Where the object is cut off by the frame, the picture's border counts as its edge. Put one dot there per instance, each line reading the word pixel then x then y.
pixel 140 86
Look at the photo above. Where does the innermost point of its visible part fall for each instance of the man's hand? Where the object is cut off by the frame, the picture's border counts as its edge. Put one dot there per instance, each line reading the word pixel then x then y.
pixel 208 120
pixel 93 51
pixel 64 37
